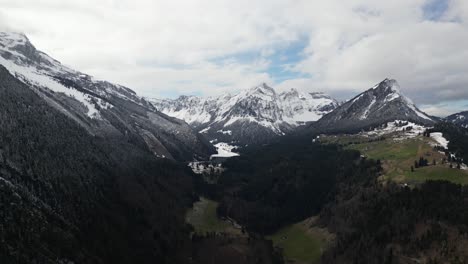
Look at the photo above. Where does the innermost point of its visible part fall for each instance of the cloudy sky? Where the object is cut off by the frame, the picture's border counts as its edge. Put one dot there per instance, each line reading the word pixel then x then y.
pixel 205 47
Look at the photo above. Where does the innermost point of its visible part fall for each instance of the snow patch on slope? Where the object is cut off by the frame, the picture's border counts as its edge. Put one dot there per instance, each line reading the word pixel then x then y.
pixel 189 116
pixel 30 75
pixel 366 112
pixel 402 130
pixel 224 150
pixel 439 138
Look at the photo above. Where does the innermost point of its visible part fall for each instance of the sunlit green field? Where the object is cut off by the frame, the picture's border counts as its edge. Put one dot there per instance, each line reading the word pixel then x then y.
pixel 301 243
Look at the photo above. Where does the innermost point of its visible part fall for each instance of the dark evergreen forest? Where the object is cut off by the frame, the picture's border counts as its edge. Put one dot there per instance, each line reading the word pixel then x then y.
pixel 65 193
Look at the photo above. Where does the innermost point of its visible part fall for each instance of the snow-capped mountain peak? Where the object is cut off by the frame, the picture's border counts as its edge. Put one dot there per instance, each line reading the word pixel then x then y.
pixel 12 39
pixel 380 104
pixel 252 111
pixel 262 89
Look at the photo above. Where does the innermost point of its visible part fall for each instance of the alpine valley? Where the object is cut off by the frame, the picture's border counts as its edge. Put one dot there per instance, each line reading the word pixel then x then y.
pixel 91 172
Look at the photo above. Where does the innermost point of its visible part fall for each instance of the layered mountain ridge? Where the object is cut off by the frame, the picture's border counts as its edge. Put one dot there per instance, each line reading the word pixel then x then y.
pixel 102 108
pixel 460 119
pixel 253 115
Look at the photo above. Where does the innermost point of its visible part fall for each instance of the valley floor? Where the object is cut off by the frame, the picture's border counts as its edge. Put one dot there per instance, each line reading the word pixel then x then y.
pixel 204 219
pixel 303 242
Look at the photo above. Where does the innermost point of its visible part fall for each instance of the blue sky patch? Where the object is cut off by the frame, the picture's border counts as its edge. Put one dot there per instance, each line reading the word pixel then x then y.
pixel 284 58
pixel 280 59
pixel 434 9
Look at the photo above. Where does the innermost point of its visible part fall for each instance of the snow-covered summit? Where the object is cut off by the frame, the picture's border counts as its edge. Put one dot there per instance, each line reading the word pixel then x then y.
pixel 378 105
pixel 260 108
pixel 12 39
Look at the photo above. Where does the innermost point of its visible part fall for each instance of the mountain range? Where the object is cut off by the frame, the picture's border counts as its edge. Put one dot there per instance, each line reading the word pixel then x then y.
pixel 186 128
pixel 259 114
pixel 254 115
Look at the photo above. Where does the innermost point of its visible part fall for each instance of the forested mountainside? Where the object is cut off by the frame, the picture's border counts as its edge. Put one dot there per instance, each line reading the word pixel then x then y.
pixel 394 224
pixel 457 138
pixel 102 108
pixel 66 195
pixel 460 119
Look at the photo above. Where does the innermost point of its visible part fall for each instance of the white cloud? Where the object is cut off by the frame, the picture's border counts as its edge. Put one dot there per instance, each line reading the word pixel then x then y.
pixel 160 46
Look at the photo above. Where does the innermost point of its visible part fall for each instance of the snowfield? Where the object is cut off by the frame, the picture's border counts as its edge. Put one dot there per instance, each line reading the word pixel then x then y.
pixel 224 150
pixel 439 138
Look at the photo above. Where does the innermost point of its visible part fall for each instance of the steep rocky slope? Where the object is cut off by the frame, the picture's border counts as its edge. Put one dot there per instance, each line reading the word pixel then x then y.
pixel 102 108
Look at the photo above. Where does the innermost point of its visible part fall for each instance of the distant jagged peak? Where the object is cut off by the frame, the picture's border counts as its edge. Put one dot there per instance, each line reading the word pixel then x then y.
pixel 261 89
pixel 187 98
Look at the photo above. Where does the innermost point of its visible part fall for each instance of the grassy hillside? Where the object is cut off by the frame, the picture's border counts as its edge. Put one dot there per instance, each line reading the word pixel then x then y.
pixel 397 157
